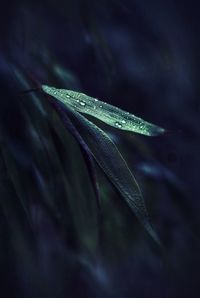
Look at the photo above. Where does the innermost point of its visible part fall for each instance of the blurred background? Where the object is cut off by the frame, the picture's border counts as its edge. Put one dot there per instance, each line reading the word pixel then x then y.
pixel 139 55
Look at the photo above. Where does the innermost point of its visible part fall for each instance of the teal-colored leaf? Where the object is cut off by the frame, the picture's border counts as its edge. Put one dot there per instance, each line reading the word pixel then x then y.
pixel 103 111
pixel 114 166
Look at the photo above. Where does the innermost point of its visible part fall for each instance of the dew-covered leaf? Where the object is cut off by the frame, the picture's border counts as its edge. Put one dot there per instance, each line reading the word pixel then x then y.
pixel 105 112
pixel 114 166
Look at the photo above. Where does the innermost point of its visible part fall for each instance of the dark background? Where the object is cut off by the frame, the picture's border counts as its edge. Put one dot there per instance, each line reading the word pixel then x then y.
pixel 142 56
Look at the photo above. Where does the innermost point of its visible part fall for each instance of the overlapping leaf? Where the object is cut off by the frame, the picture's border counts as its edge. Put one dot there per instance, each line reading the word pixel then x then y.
pixel 109 158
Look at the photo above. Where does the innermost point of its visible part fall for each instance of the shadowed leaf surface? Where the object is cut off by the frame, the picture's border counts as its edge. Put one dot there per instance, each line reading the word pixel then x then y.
pixel 113 164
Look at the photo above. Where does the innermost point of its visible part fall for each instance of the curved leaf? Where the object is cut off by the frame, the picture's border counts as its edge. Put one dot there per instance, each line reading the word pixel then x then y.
pixel 114 166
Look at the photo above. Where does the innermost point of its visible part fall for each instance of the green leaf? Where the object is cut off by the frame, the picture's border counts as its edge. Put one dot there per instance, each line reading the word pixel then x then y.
pixel 113 164
pixel 105 112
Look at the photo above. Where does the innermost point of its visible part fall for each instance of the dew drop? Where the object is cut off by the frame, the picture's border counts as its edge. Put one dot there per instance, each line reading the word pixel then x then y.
pixel 118 124
pixel 123 121
pixel 82 103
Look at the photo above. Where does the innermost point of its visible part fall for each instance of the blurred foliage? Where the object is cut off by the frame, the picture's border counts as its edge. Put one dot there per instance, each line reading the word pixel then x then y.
pixel 64 230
